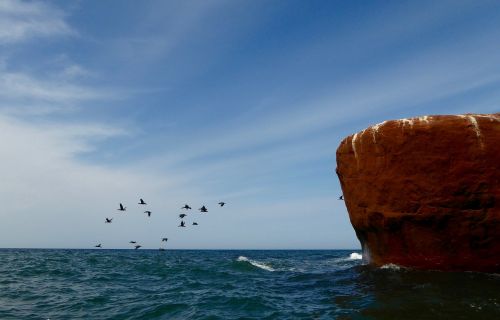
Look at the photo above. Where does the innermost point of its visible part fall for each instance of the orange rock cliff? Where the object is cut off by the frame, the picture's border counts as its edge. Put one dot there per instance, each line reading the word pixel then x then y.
pixel 425 192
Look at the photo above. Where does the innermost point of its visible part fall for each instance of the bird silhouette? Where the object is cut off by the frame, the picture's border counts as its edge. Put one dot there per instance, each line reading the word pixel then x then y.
pixel 108 220
pixel 203 209
pixel 122 208
pixel 182 215
pixel 137 247
pixel 222 204
pixel 141 201
pixel 132 241
pixel 148 212
pixel 186 207
pixel 182 224
pixel 195 223
pixel 98 246
pixel 341 197
pixel 164 239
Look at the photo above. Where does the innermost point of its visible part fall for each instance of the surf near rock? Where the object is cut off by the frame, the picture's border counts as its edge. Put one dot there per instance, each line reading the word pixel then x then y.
pixel 355 256
pixel 425 192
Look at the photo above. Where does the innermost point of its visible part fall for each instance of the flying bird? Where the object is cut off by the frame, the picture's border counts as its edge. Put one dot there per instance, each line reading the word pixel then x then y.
pixel 164 239
pixel 182 224
pixel 341 197
pixel 137 247
pixel 108 220
pixel 186 207
pixel 148 212
pixel 195 223
pixel 133 242
pixel 122 208
pixel 203 209
pixel 222 204
pixel 182 215
pixel 141 201
pixel 98 246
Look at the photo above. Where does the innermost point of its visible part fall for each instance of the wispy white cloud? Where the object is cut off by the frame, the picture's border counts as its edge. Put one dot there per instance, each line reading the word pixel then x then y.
pixel 74 71
pixel 22 20
pixel 52 84
pixel 26 87
pixel 50 192
pixel 23 110
pixel 60 201
pixel 164 28
pixel 254 149
pixel 402 86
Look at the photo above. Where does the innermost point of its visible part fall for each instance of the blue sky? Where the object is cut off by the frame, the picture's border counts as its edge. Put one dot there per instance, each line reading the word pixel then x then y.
pixel 199 101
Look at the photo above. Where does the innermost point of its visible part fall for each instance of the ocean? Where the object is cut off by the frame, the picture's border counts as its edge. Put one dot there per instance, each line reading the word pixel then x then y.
pixel 232 284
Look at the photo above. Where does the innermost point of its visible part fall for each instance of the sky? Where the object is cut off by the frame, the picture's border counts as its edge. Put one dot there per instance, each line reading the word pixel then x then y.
pixel 197 102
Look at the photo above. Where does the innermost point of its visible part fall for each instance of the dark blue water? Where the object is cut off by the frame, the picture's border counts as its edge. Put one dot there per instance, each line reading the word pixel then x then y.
pixel 126 284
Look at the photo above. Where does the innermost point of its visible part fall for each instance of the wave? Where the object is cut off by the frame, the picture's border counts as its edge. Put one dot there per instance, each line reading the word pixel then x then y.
pixel 391 266
pixel 355 256
pixel 255 263
pixel 351 257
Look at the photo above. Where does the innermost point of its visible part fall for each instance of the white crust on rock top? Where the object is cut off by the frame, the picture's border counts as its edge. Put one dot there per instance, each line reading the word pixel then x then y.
pixel 472 118
pixel 473 121
pixel 424 119
pixel 405 121
pixel 374 130
pixel 491 117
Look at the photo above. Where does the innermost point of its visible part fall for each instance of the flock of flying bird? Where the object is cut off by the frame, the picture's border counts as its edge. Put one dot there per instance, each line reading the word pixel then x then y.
pixel 203 209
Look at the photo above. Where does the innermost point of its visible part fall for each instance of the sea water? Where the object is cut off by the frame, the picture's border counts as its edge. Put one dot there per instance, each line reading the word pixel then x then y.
pixel 218 284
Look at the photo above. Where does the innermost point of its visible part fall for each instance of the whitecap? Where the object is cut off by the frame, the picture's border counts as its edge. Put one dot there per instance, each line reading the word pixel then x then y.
pixel 355 256
pixel 255 263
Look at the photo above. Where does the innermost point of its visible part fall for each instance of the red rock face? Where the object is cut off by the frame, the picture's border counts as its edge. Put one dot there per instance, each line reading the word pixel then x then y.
pixel 425 192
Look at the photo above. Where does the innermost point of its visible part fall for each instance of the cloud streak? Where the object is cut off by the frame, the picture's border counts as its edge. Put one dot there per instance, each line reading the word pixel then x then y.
pixel 25 87
pixel 51 193
pixel 23 20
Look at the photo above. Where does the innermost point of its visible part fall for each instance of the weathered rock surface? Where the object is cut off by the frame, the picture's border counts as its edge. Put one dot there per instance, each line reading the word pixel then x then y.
pixel 425 192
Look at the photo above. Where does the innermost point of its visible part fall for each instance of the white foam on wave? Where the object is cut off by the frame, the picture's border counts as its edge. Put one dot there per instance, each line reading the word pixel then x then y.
pixel 255 263
pixel 352 257
pixel 355 256
pixel 391 266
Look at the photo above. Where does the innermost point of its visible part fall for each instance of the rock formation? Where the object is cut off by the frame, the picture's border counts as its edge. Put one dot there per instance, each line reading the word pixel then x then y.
pixel 425 192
